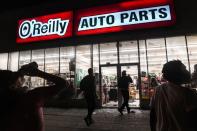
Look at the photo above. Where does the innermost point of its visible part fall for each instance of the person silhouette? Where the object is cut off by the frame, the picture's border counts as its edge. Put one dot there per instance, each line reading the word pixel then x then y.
pixel 88 86
pixel 123 84
pixel 171 103
pixel 22 109
pixel 105 93
pixel 194 77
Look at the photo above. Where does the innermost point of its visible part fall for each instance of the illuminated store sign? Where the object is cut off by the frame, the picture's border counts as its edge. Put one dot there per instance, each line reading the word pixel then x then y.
pixel 125 16
pixel 129 15
pixel 161 13
pixel 33 28
pixel 45 28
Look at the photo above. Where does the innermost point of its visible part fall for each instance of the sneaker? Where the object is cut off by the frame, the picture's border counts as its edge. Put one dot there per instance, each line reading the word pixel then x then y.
pixel 120 110
pixel 87 121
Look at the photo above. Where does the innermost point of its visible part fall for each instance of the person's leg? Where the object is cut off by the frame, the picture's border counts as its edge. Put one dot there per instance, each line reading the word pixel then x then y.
pixel 89 111
pixel 105 98
pixel 126 99
pixel 123 104
pixel 87 118
pixel 91 107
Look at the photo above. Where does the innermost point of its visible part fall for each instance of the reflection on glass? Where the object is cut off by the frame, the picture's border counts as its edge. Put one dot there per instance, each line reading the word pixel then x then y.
pixel 83 62
pixel 67 59
pixel 13 61
pixel 52 60
pixel 192 50
pixel 143 60
pixel 156 56
pixel 128 52
pixel 176 48
pixel 108 53
pixel 3 61
pixel 67 64
pixel 38 56
pixel 95 58
pixel 96 66
pixel 25 58
pixel 109 86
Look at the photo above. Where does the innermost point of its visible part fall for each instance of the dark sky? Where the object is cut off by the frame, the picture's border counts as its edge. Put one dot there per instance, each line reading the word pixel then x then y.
pixel 7 5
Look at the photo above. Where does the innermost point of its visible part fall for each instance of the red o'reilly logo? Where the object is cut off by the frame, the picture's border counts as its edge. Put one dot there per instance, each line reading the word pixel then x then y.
pixel 33 28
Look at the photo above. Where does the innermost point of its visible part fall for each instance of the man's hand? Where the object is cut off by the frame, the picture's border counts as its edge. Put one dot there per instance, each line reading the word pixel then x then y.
pixel 30 69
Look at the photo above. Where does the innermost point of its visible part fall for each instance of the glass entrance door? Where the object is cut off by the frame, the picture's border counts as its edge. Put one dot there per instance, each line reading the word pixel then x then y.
pixel 109 89
pixel 132 71
pixel 110 95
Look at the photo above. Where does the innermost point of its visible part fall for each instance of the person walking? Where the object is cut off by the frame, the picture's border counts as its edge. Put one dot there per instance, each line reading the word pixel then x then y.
pixel 88 86
pixel 22 109
pixel 123 84
pixel 172 103
pixel 194 77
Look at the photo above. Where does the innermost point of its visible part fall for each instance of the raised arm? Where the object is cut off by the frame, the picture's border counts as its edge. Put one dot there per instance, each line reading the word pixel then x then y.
pixel 43 92
pixel 59 82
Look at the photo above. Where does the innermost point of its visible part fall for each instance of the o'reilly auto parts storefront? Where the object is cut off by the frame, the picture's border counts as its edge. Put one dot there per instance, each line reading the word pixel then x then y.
pixel 138 36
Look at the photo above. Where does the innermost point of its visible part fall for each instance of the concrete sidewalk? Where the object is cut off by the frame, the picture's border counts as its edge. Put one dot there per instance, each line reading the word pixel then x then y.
pixel 105 120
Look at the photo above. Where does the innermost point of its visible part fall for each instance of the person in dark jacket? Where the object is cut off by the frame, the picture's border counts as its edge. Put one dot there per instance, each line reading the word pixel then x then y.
pixel 123 84
pixel 173 106
pixel 194 77
pixel 88 85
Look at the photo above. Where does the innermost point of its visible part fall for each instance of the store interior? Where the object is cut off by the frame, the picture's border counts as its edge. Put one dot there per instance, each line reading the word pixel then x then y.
pixel 72 63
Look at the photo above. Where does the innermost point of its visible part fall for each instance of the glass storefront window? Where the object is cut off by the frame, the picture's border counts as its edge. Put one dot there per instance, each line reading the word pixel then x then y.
pixel 83 63
pixel 67 65
pixel 156 53
pixel 13 61
pixel 144 71
pixel 52 61
pixel 176 49
pixel 3 61
pixel 38 56
pixel 96 67
pixel 143 60
pixel 96 58
pixel 72 62
pixel 192 51
pixel 108 53
pixel 128 51
pixel 67 60
pixel 25 58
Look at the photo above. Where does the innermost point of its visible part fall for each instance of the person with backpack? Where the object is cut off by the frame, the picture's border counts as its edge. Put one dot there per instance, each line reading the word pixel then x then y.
pixel 88 86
